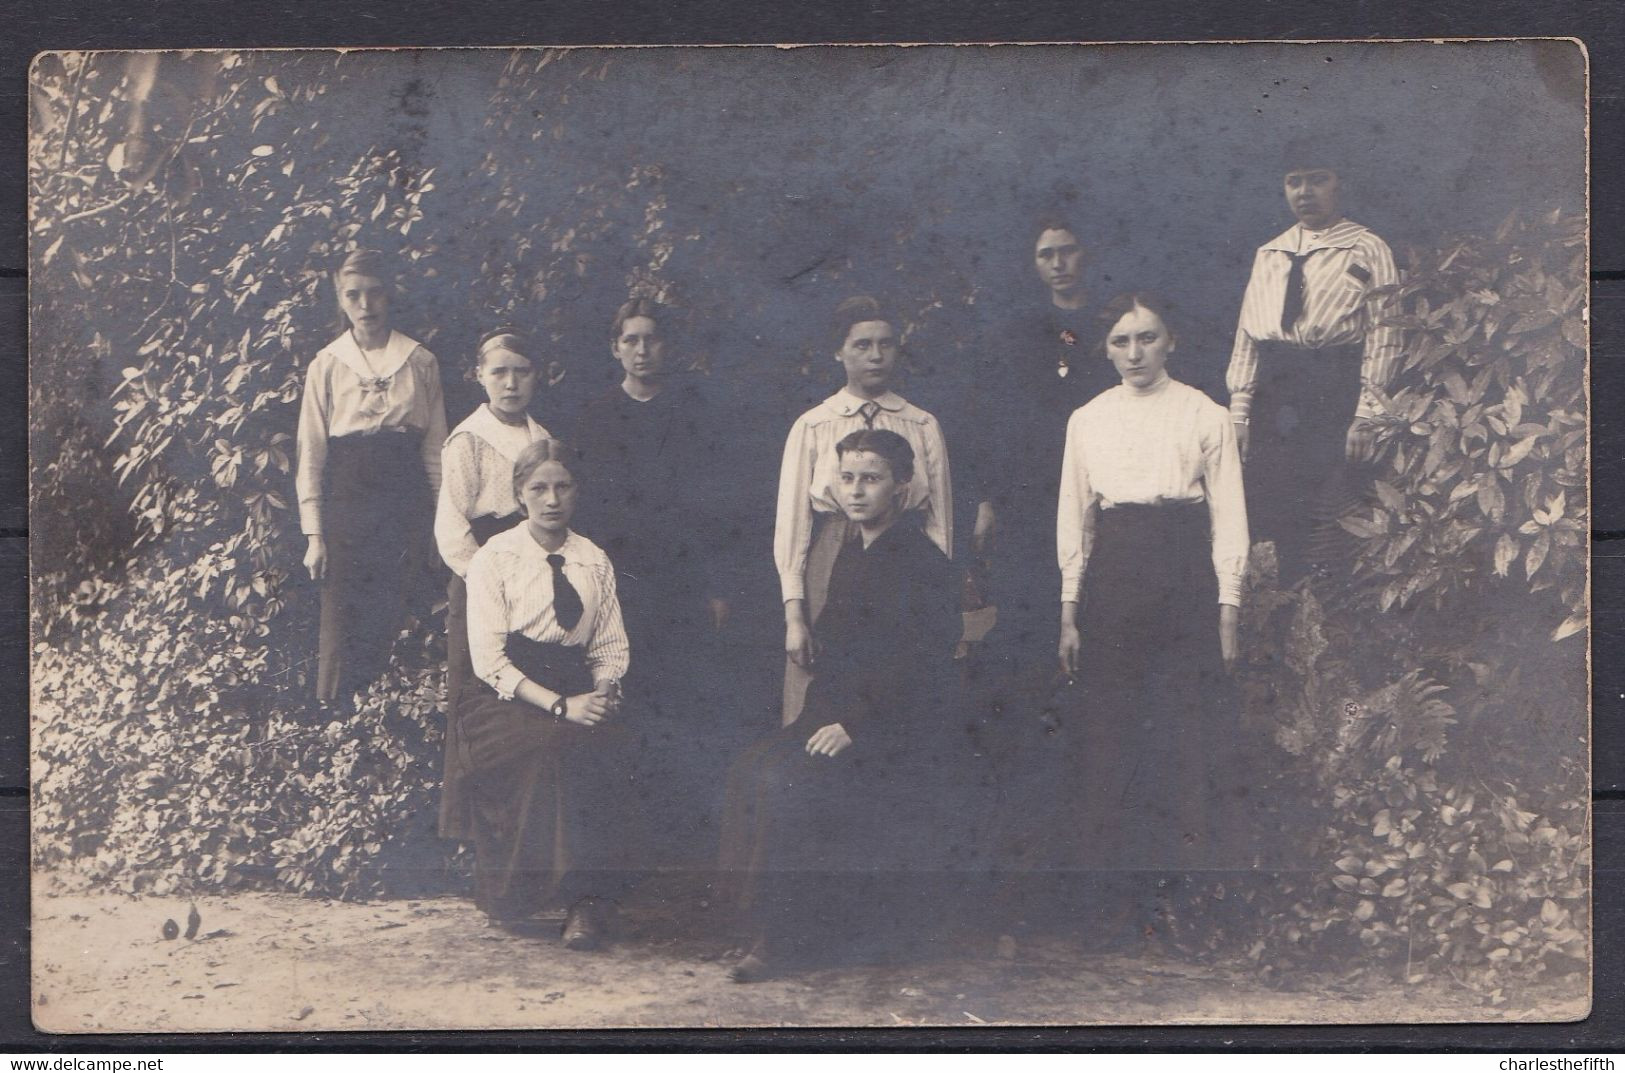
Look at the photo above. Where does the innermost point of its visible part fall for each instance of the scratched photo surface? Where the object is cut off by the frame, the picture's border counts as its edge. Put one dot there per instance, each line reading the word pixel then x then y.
pixel 823 536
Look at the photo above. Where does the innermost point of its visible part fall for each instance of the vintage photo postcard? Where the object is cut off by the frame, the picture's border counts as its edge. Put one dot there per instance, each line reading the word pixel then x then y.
pixel 817 536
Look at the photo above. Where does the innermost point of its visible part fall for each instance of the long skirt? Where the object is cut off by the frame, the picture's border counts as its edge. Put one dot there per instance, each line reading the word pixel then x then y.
pixel 829 533
pixel 454 821
pixel 822 852
pixel 376 511
pixel 1298 479
pixel 555 808
pixel 1158 785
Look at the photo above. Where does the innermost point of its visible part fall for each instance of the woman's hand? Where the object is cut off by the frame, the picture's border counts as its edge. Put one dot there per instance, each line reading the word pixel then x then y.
pixel 828 740
pixel 1068 649
pixel 1361 443
pixel 1243 434
pixel 986 528
pixel 798 638
pixel 316 557
pixel 1071 641
pixel 588 709
pixel 610 689
pixel 1229 646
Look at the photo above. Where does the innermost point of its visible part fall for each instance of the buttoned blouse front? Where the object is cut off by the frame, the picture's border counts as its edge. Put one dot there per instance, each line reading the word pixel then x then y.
pixel 1167 443
pixel 476 479
pixel 345 395
pixel 810 475
pixel 510 590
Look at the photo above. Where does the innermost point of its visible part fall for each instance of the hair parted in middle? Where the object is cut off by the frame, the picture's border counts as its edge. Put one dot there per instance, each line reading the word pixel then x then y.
pixel 883 442
pixel 1120 305
pixel 504 338
pixel 539 452
pixel 637 307
pixel 859 309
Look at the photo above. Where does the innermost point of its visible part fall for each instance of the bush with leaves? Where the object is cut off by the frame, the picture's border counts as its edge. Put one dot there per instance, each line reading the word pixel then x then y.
pixel 1433 707
pixel 185 210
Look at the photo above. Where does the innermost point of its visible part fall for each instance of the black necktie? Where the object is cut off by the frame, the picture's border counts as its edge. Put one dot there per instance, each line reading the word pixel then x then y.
pixel 1292 308
pixel 566 600
pixel 868 410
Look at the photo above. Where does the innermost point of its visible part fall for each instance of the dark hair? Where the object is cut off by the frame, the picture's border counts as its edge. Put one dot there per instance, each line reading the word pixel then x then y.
pixel 1120 305
pixel 503 338
pixel 538 452
pixel 637 307
pixel 1052 221
pixel 1307 151
pixel 883 442
pixel 857 310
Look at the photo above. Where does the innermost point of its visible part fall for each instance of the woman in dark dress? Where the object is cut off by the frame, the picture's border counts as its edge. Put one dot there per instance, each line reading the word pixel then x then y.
pixel 1152 539
pixel 553 776
pixel 652 442
pixel 370 428
pixel 830 816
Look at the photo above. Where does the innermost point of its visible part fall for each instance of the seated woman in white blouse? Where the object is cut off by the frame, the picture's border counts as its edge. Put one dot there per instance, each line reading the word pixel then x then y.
pixel 551 768
pixel 1152 542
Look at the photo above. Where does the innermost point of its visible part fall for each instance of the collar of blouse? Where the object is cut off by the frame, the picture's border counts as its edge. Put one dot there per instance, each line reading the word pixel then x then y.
pixel 846 404
pixel 382 365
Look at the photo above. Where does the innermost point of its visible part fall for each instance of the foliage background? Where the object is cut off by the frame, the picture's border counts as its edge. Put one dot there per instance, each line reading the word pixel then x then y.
pixel 184 207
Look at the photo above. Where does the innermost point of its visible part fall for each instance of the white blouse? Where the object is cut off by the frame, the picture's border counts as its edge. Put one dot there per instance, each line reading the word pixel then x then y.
pixel 810 475
pixel 510 590
pixel 1167 443
pixel 350 393
pixel 476 479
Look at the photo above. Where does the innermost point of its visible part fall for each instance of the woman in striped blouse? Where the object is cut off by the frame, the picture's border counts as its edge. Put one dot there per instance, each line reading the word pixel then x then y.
pixel 1152 542
pixel 553 771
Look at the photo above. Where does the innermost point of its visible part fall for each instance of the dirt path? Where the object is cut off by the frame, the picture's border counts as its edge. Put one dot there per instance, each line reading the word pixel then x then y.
pixel 279 962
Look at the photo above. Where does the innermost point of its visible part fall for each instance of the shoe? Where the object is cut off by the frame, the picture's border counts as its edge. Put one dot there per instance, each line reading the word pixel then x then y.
pixel 749 969
pixel 587 925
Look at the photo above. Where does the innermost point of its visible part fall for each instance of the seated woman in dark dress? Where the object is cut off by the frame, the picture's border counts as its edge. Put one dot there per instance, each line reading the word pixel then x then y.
pixel 552 771
pixel 855 788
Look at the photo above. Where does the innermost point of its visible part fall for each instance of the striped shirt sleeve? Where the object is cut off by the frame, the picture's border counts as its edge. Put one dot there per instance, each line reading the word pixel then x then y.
pixel 1242 376
pixel 1382 341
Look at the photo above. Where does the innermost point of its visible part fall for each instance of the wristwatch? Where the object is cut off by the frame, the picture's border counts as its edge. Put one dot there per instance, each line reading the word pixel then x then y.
pixel 558 708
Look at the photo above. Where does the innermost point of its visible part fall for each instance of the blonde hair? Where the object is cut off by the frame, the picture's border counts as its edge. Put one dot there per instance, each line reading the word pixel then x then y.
pixel 538 453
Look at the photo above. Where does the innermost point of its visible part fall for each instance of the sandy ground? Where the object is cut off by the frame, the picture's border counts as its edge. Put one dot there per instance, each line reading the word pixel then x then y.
pixel 280 962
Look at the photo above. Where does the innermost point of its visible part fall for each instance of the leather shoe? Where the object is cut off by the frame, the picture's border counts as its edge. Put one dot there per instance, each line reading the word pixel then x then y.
pixel 586 927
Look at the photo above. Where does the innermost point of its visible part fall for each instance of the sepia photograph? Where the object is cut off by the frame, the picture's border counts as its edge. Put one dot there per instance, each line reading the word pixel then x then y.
pixel 809 536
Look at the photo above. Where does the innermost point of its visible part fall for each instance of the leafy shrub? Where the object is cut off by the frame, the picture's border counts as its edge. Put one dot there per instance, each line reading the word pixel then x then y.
pixel 1431 706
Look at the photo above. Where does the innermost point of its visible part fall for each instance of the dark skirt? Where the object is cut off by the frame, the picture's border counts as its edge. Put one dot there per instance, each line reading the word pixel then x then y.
pixel 819 852
pixel 1298 478
pixel 553 807
pixel 454 821
pixel 1157 784
pixel 377 511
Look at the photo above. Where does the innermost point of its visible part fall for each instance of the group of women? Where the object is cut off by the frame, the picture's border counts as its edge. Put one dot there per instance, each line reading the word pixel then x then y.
pixel 579 573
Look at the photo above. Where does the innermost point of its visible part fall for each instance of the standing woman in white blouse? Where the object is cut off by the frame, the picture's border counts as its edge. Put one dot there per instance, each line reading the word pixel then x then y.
pixel 1152 541
pixel 476 503
pixel 809 527
pixel 370 429
pixel 554 774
